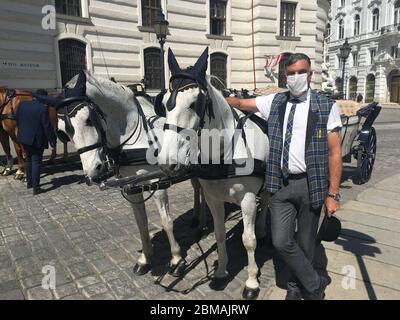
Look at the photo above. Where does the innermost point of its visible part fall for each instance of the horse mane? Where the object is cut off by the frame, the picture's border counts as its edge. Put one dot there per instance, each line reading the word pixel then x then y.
pixel 218 98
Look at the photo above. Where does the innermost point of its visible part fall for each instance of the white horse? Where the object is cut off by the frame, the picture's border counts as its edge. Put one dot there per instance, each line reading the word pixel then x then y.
pixel 121 123
pixel 185 109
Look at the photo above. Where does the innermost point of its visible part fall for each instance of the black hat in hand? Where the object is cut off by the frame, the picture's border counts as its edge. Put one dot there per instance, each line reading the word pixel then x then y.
pixel 329 230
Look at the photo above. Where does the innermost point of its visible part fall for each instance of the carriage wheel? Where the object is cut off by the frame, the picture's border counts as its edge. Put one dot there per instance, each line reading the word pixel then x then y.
pixel 366 158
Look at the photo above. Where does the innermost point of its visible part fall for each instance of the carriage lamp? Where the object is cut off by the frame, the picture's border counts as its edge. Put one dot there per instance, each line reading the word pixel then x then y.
pixel 161 30
pixel 345 50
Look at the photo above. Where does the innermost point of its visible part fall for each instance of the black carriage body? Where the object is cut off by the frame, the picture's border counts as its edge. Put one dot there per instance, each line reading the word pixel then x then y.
pixel 364 150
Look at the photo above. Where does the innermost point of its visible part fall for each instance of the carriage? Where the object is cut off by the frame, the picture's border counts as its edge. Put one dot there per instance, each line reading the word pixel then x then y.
pixel 358 136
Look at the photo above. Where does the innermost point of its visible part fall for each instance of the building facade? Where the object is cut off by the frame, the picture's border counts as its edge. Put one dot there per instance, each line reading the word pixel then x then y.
pixel 372 28
pixel 116 39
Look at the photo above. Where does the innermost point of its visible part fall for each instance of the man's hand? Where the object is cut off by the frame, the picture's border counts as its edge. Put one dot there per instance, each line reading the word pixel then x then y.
pixel 331 206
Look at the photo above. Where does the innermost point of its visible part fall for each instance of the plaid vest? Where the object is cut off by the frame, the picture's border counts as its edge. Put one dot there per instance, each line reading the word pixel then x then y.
pixel 316 156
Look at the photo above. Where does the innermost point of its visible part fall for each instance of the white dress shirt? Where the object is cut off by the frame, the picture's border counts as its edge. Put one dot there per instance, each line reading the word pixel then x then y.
pixel 297 162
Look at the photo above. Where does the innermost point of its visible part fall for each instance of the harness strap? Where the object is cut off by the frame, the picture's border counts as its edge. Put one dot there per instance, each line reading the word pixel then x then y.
pixel 91 147
pixel 168 126
pixel 8 116
pixel 141 113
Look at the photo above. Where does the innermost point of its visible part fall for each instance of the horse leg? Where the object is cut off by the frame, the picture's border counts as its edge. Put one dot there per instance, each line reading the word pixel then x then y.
pixel 249 210
pixel 219 281
pixel 19 175
pixel 177 264
pixel 199 207
pixel 65 152
pixel 5 142
pixel 143 265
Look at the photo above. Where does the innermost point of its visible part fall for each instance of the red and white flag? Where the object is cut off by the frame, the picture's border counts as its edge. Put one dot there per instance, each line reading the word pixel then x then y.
pixel 272 61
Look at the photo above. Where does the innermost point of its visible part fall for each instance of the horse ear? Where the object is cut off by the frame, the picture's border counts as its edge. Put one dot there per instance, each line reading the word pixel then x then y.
pixel 80 87
pixel 173 64
pixel 81 82
pixel 202 63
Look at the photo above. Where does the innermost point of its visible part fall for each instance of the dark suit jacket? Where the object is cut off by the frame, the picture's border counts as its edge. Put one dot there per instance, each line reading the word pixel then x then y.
pixel 34 127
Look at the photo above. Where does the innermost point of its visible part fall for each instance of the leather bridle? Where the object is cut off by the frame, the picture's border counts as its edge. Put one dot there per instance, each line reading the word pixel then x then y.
pixel 96 117
pixel 202 106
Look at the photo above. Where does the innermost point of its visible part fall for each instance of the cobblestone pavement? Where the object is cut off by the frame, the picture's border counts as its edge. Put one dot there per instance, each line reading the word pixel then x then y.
pixel 92 240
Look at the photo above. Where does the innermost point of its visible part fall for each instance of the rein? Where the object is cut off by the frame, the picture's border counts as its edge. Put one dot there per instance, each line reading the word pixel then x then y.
pixel 9 96
pixel 96 115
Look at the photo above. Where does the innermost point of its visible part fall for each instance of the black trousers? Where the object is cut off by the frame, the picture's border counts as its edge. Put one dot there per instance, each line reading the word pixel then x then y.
pixel 291 209
pixel 33 165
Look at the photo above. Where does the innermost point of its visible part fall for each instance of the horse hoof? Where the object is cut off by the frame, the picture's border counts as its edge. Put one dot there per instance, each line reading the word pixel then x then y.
pixel 18 176
pixel 6 172
pixel 178 269
pixel 218 284
pixel 141 270
pixel 250 294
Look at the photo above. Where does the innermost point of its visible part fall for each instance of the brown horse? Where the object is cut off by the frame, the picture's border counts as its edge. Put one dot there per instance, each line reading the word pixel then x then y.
pixel 9 102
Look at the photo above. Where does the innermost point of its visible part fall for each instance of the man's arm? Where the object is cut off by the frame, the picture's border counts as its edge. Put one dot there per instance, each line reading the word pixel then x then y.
pixel 243 104
pixel 335 170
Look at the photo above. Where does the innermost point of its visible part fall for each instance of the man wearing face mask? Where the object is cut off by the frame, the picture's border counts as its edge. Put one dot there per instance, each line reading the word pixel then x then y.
pixel 303 171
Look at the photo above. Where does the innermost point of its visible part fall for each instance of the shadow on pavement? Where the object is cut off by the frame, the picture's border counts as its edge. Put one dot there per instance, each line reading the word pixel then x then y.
pixel 357 243
pixel 188 237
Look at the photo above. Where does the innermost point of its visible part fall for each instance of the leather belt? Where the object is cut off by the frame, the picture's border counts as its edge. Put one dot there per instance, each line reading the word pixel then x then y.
pixel 297 176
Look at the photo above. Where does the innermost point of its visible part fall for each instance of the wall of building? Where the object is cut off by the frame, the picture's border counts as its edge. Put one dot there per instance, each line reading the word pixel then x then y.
pixel 26 50
pixel 384 64
pixel 115 41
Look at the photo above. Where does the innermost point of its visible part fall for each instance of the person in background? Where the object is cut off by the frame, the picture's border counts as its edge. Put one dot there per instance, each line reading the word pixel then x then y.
pixel 34 134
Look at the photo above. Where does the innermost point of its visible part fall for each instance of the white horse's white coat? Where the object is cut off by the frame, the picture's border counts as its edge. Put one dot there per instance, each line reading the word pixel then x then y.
pixel 240 190
pixel 117 103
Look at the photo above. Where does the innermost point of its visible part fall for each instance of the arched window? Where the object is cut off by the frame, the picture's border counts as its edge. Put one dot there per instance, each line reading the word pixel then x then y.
pixel 394 85
pixel 328 30
pixel 370 88
pixel 219 69
pixel 152 68
pixel 150 9
pixel 357 25
pixel 375 20
pixel 352 88
pixel 341 29
pixel 397 12
pixel 72 58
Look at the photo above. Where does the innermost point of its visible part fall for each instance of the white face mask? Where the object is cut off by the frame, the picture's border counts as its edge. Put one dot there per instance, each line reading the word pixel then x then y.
pixel 297 84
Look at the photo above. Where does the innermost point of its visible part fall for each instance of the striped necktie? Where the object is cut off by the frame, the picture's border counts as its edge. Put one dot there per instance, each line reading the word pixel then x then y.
pixel 288 138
